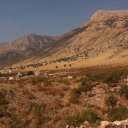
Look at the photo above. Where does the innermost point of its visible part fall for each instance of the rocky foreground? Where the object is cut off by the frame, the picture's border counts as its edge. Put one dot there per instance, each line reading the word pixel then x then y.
pixel 105 124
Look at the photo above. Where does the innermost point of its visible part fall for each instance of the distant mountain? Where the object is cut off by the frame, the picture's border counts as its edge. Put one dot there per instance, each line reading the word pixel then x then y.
pixel 24 47
pixel 103 40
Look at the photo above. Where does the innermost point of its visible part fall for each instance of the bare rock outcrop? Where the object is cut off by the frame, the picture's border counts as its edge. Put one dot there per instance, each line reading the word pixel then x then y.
pixel 105 124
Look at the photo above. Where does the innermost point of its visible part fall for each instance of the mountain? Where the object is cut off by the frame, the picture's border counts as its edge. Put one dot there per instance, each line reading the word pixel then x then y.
pixel 102 40
pixel 24 47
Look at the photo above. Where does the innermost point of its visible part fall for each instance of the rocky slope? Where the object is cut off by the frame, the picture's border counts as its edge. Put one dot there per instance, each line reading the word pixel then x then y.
pixel 106 31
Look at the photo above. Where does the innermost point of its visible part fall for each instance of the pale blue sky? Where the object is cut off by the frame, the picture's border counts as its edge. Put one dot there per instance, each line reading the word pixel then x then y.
pixel 49 17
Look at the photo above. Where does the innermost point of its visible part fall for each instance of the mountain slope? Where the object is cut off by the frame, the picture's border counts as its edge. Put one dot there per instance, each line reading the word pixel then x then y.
pixel 104 36
pixel 103 40
pixel 100 35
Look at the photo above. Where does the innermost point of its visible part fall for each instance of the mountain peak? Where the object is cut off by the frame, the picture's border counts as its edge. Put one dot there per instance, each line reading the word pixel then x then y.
pixel 103 15
pixel 32 35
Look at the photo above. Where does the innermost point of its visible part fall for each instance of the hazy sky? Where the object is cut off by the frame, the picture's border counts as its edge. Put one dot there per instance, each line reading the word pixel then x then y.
pixel 49 17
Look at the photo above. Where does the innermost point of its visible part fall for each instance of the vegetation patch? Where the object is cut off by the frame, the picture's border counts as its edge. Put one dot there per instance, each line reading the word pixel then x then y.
pixel 124 91
pixel 120 113
pixel 88 115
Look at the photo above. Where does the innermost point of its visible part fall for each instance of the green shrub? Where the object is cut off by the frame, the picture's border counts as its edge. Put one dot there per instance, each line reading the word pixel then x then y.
pixel 86 86
pixel 111 101
pixel 108 76
pixel 75 121
pixel 91 117
pixel 96 77
pixel 120 113
pixel 88 115
pixel 124 91
pixel 113 77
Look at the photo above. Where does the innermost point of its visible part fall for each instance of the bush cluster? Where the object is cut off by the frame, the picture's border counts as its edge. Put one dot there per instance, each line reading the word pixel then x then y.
pixel 124 91
pixel 120 113
pixel 111 101
pixel 88 115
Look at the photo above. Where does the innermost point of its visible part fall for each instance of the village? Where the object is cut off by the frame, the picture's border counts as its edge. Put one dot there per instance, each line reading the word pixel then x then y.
pixel 12 74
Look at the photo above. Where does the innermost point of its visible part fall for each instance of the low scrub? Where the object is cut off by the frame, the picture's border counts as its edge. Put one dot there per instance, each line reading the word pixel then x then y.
pixel 3 103
pixel 85 86
pixel 124 91
pixel 120 113
pixel 88 115
pixel 111 101
pixel 109 77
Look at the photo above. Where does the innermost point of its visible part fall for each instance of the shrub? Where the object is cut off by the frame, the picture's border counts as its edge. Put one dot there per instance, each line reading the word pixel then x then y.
pixel 88 115
pixel 39 112
pixel 30 73
pixel 120 113
pixel 73 96
pixel 70 65
pixel 75 121
pixel 3 97
pixel 124 91
pixel 86 85
pixel 96 77
pixel 109 76
pixel 3 102
pixel 16 124
pixel 114 77
pixel 111 101
pixel 56 66
pixel 64 65
pixel 91 117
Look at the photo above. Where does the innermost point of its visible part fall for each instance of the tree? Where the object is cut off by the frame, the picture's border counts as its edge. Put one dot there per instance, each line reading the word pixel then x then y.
pixel 56 66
